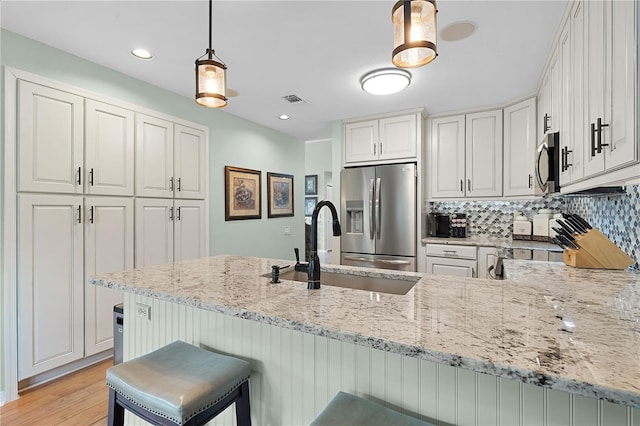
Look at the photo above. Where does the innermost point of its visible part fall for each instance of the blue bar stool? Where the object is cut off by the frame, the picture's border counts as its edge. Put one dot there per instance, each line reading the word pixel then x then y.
pixel 179 384
pixel 349 410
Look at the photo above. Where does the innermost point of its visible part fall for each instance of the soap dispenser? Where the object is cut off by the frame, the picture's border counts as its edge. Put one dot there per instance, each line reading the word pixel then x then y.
pixel 521 227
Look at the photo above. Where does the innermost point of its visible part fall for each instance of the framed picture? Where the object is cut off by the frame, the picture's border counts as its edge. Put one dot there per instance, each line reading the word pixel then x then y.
pixel 310 184
pixel 242 193
pixel 280 195
pixel 309 205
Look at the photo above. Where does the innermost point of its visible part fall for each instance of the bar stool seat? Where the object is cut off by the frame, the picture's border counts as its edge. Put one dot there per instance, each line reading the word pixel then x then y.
pixel 346 409
pixel 179 384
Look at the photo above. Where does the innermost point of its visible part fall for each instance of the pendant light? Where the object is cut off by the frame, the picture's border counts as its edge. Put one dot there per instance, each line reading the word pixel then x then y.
pixel 211 76
pixel 414 26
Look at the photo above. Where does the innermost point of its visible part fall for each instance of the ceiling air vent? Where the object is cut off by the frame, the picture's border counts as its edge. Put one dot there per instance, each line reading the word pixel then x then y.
pixel 294 99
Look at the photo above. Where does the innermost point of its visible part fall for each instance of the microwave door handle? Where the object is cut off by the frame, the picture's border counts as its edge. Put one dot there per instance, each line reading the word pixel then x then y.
pixel 542 148
pixel 378 208
pixel 371 191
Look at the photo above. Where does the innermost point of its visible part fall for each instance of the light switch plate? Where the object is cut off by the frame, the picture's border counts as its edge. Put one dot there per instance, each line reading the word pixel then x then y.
pixel 287 230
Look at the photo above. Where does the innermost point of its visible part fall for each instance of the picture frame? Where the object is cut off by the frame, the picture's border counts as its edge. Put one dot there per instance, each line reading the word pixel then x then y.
pixel 242 193
pixel 311 185
pixel 279 195
pixel 309 205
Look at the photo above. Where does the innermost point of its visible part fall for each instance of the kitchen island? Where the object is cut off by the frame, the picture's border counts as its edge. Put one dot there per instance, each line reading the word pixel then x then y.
pixel 551 344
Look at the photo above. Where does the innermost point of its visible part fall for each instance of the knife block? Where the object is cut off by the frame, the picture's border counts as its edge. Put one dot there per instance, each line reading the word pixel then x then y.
pixel 596 251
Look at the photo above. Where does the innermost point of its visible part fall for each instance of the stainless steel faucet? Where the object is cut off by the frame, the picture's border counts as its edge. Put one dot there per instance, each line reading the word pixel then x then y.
pixel 314 262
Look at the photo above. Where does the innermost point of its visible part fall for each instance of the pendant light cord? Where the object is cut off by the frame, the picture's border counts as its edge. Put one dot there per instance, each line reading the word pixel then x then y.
pixel 210 27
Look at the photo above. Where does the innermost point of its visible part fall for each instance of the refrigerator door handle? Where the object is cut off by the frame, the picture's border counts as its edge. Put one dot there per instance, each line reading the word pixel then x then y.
pixel 369 260
pixel 377 214
pixel 371 228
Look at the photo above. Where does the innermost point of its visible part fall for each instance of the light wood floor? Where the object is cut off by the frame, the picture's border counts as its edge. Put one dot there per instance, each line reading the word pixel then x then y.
pixel 79 399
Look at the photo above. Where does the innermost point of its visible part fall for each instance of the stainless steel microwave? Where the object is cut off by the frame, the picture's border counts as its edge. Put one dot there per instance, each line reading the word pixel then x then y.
pixel 547 165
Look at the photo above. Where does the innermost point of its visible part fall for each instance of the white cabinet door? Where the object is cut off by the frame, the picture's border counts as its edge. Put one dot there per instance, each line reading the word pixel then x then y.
pixel 154 157
pixel 108 248
pixel 108 149
pixel 190 230
pixel 50 140
pixel 580 125
pixel 595 26
pixel 154 231
pixel 50 277
pixel 555 80
pixel 454 267
pixel 519 147
pixel 189 162
pixel 398 137
pixel 484 154
pixel 572 158
pixel 448 157
pixel 620 113
pixel 487 257
pixel 361 141
pixel 544 106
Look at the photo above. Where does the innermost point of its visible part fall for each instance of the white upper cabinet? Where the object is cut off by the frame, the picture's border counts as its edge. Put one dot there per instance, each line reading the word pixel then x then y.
pixel 620 88
pixel 189 162
pixel 571 157
pixel 519 147
pixel 154 157
pixel 361 141
pixel 606 119
pixel 170 159
pixel 109 149
pixel 50 140
pixel 108 230
pixel 50 277
pixel 447 157
pixel 397 137
pixel 484 154
pixel 383 140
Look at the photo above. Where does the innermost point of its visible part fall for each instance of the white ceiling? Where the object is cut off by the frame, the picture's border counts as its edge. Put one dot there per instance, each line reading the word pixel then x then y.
pixel 317 50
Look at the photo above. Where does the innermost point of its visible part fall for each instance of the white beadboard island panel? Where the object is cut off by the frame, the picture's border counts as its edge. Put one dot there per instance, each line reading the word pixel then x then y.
pixel 295 374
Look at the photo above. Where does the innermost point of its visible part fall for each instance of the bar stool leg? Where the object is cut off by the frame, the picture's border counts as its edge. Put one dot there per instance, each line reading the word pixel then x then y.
pixel 243 411
pixel 116 411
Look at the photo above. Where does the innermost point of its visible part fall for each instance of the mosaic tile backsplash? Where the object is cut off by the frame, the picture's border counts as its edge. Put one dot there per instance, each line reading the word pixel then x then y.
pixel 617 216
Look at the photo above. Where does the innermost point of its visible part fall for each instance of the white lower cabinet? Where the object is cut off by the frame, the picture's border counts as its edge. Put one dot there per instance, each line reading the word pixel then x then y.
pixel 108 248
pixel 64 240
pixel 50 282
pixel 455 260
pixel 168 232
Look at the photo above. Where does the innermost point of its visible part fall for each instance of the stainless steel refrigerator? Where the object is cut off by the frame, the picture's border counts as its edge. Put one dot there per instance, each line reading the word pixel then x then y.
pixel 378 213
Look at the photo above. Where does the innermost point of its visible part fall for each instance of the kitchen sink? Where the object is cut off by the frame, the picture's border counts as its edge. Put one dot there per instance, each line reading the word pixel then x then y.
pixel 375 284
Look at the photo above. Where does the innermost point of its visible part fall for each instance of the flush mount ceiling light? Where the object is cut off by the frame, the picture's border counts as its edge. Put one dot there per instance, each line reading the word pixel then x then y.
pixel 284 117
pixel 385 81
pixel 414 27
pixel 142 54
pixel 211 76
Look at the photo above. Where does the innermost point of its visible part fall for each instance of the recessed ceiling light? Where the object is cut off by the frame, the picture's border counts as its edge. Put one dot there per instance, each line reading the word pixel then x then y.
pixel 284 117
pixel 142 54
pixel 385 81
pixel 458 31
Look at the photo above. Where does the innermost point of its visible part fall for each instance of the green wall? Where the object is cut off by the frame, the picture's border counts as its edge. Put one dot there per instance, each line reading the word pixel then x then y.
pixel 233 141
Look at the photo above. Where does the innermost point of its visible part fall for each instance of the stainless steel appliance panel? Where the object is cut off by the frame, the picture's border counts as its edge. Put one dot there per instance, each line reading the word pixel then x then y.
pixel 395 209
pixel 357 208
pixel 376 261
pixel 547 165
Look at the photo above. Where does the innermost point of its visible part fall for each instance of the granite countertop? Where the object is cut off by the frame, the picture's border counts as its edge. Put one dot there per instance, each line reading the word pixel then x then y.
pixel 482 241
pixel 547 324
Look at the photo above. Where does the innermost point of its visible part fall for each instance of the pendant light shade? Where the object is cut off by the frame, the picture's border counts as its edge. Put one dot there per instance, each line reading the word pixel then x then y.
pixel 414 25
pixel 211 76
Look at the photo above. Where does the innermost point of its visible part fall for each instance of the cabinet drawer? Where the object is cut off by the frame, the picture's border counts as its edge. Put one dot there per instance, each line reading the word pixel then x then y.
pixel 448 250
